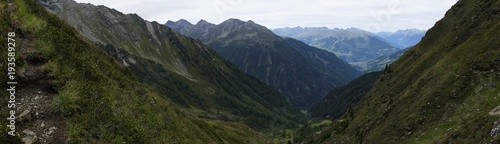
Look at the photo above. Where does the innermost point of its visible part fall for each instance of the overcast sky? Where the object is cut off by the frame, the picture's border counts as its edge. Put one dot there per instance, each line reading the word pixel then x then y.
pixel 371 15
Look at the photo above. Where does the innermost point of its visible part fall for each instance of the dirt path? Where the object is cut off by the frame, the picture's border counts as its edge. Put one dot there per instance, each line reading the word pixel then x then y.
pixel 36 123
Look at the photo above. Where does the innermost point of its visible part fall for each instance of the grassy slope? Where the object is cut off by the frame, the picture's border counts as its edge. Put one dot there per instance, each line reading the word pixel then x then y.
pixel 341 98
pixel 208 87
pixel 102 101
pixel 5 27
pixel 440 90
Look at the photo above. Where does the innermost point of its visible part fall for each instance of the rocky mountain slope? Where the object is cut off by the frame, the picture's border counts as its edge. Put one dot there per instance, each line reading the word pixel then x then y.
pixel 352 45
pixel 443 90
pixel 106 77
pixel 300 72
pixel 182 69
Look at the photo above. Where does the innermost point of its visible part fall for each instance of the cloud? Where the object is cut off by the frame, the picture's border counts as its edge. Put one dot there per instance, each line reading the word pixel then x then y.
pixel 372 15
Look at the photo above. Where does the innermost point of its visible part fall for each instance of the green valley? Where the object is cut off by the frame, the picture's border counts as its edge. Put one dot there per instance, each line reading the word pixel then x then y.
pixel 440 91
pixel 103 93
pixel 77 72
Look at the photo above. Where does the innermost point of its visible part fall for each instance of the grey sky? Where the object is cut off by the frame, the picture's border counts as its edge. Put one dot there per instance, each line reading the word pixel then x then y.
pixel 371 15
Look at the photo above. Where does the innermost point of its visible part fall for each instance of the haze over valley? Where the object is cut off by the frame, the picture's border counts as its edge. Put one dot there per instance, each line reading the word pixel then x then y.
pixel 235 71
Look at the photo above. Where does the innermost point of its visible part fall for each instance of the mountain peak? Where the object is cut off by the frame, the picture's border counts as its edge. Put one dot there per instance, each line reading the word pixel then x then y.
pixel 183 21
pixel 245 27
pixel 179 22
pixel 203 22
pixel 250 21
pixel 357 31
pixel 263 54
pixel 232 21
pixel 410 31
pixel 237 21
pixel 404 38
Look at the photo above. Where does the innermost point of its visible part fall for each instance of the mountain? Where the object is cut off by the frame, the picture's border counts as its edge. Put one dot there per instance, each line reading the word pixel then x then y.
pixel 380 63
pixel 182 69
pixel 300 72
pixel 101 76
pixel 352 45
pixel 342 98
pixel 404 38
pixel 443 90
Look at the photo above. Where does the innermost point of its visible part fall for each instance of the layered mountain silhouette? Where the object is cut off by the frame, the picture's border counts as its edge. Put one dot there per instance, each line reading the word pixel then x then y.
pixel 91 74
pixel 403 38
pixel 443 90
pixel 182 69
pixel 300 72
pixel 115 78
pixel 352 45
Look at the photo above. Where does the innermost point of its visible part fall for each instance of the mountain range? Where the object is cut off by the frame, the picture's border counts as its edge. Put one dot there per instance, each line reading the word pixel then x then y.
pixel 443 90
pixel 183 69
pixel 403 38
pixel 91 74
pixel 101 76
pixel 352 45
pixel 300 72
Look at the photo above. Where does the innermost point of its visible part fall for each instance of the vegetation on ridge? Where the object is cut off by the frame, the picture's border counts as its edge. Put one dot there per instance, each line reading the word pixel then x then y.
pixel 179 68
pixel 301 73
pixel 440 91
pixel 342 98
pixel 101 100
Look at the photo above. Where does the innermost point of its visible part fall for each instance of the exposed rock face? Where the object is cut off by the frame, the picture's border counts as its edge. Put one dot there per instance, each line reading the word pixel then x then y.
pixel 178 67
pixel 300 72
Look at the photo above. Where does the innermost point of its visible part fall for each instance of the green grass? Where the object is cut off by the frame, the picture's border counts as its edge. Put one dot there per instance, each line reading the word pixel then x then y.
pixel 209 83
pixel 484 99
pixel 320 124
pixel 28 20
pixel 285 136
pixel 5 27
pixel 438 91
pixel 103 102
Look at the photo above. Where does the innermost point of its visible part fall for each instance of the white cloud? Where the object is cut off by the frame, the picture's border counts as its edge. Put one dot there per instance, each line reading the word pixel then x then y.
pixel 372 15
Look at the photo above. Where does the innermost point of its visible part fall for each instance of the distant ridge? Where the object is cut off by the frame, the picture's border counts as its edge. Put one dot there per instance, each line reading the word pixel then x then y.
pixel 352 45
pixel 443 90
pixel 300 72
